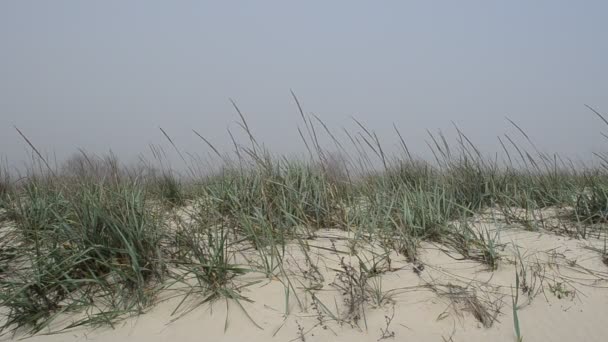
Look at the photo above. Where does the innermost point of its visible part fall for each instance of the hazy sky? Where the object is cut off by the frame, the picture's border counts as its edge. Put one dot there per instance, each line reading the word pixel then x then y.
pixel 105 75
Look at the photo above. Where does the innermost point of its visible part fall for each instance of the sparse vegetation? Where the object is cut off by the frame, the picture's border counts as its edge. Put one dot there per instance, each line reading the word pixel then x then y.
pixel 95 238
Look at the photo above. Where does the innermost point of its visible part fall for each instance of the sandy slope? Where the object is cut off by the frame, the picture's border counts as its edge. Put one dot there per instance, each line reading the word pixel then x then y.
pixel 436 304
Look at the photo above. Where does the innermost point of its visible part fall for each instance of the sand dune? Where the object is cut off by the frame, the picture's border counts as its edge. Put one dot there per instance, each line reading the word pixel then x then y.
pixel 352 290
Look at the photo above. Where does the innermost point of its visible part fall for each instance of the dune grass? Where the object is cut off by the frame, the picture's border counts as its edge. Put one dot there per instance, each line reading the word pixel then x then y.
pixel 100 240
pixel 99 244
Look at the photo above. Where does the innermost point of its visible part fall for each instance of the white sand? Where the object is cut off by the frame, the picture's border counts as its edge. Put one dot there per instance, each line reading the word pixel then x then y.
pixel 420 313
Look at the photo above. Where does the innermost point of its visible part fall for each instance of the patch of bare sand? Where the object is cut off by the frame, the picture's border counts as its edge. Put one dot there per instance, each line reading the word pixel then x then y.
pixel 349 290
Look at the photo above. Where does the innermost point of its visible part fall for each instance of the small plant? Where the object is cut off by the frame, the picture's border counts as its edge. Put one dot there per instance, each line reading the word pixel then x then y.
pixel 560 291
pixel 205 266
pixel 170 189
pixel 591 204
pixel 463 298
pixel 377 296
pixel 530 278
pixel 474 243
pixel 361 285
pixel 353 287
pixel 301 334
pixel 319 314
pixel 386 333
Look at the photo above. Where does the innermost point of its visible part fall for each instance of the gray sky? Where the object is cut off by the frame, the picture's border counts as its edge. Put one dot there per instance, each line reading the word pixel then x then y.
pixel 105 75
